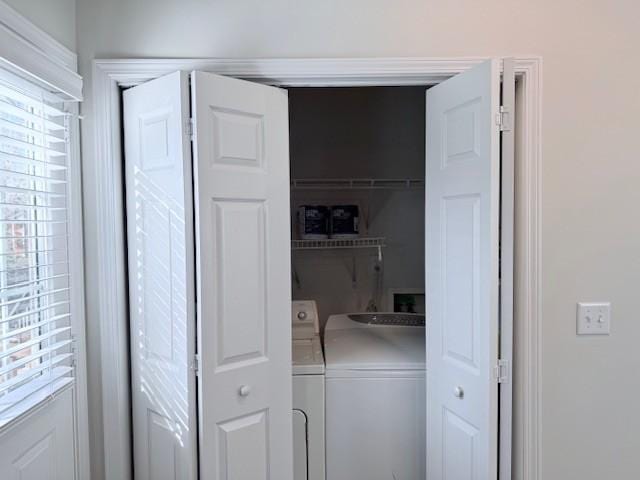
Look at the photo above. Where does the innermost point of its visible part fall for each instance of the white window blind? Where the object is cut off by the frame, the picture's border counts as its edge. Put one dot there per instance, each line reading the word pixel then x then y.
pixel 36 350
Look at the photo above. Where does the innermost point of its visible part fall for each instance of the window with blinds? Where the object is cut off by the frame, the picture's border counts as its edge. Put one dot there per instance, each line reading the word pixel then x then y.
pixel 36 351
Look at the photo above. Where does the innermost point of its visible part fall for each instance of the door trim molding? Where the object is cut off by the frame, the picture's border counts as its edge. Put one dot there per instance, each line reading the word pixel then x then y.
pixel 109 281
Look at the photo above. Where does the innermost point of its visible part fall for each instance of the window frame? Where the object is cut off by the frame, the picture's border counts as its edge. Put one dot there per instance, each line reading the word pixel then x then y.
pixel 35 56
pixel 37 230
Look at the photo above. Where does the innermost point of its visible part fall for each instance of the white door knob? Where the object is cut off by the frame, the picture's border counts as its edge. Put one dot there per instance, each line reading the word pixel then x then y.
pixel 244 390
pixel 458 392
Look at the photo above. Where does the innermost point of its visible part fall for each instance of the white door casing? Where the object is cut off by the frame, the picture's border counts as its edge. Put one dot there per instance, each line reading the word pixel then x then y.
pixel 241 187
pixel 110 75
pixel 160 227
pixel 462 246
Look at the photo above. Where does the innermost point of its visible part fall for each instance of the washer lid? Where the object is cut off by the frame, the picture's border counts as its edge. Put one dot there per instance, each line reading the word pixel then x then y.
pixel 351 345
pixel 306 356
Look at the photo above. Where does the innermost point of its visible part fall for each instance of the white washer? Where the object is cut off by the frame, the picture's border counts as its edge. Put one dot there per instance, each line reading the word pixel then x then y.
pixel 308 393
pixel 375 381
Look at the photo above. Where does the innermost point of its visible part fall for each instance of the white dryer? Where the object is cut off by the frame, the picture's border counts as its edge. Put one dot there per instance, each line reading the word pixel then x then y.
pixel 375 381
pixel 308 393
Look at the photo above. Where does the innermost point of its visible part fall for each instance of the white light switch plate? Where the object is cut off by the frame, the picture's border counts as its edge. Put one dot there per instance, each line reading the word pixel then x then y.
pixel 594 319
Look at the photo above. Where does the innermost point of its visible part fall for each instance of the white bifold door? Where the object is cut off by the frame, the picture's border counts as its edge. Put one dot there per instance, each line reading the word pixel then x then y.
pixel 465 368
pixel 207 193
pixel 160 230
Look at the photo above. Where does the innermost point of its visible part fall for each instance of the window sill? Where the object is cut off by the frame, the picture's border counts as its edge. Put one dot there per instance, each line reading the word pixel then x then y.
pixel 37 395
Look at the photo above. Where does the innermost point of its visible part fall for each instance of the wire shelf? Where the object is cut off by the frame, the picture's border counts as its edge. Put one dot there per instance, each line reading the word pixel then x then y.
pixel 356 184
pixel 338 243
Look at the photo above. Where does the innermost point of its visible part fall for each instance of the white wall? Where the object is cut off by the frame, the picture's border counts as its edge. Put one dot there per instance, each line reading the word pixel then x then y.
pixel 56 17
pixel 371 132
pixel 590 170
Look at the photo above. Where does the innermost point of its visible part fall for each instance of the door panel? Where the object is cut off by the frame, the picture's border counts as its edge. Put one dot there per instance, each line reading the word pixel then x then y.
pixel 462 244
pixel 460 439
pixel 460 271
pixel 237 138
pixel 159 203
pixel 163 460
pixel 241 166
pixel 243 448
pixel 240 324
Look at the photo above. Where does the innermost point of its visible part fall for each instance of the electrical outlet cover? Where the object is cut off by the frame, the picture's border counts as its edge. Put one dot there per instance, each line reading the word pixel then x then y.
pixel 594 319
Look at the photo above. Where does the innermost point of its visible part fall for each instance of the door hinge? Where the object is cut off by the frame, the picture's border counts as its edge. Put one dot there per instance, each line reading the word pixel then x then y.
pixel 188 128
pixel 195 364
pixel 502 371
pixel 504 119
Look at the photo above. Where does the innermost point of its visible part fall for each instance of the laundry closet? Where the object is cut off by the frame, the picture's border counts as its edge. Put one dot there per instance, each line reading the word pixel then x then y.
pixel 357 214
pixel 361 147
pixel 319 278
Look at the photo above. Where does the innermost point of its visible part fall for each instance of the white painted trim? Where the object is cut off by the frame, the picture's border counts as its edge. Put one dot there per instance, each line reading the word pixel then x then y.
pixel 112 295
pixel 110 75
pixel 77 289
pixel 528 266
pixel 298 72
pixel 37 37
pixel 35 55
pixel 38 407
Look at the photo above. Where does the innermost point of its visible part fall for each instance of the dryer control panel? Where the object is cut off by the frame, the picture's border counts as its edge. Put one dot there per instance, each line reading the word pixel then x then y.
pixel 304 319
